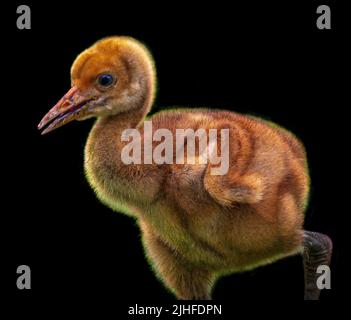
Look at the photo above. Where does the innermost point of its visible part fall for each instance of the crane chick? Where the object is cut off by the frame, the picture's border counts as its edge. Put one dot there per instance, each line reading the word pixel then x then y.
pixel 196 226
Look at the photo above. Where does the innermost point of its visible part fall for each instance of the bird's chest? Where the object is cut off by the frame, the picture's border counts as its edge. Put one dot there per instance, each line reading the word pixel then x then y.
pixel 118 185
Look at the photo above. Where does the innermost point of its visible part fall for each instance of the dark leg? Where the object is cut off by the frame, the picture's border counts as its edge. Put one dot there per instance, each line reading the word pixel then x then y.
pixel 317 251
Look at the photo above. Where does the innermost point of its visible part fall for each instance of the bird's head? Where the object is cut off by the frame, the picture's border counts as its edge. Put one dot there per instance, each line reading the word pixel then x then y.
pixel 115 75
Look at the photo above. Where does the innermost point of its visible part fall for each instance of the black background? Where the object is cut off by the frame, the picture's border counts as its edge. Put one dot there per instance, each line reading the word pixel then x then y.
pixel 267 60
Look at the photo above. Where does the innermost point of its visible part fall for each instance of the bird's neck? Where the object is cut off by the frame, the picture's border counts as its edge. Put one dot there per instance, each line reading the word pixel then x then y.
pixel 126 120
pixel 113 125
pixel 105 139
pixel 103 164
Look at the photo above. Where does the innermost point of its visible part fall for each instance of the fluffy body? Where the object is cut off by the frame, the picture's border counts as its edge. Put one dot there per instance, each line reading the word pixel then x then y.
pixel 195 226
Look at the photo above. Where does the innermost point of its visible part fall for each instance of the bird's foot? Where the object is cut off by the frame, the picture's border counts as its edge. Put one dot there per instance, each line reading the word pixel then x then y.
pixel 317 251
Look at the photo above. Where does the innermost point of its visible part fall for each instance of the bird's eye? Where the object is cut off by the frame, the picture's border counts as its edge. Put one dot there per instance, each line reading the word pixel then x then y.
pixel 105 80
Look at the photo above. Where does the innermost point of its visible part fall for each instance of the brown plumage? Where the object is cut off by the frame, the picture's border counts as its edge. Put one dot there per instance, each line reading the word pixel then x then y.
pixel 195 226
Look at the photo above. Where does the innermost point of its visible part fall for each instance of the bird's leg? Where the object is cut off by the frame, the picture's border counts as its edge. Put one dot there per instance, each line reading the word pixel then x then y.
pixel 185 281
pixel 317 251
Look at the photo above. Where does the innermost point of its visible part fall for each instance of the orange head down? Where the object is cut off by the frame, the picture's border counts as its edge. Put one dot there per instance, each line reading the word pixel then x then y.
pixel 115 75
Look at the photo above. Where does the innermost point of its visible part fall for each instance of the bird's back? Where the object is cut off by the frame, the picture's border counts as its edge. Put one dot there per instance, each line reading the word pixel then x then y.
pixel 249 134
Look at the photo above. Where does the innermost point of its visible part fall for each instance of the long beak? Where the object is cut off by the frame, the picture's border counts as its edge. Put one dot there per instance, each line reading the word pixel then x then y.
pixel 70 107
